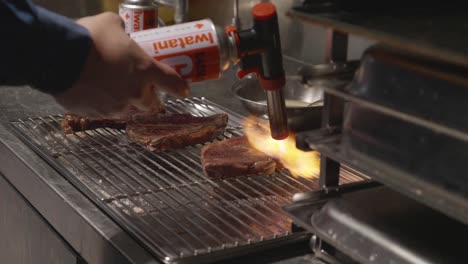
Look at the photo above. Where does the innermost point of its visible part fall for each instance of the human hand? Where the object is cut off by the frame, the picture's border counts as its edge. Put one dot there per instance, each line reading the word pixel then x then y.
pixel 118 73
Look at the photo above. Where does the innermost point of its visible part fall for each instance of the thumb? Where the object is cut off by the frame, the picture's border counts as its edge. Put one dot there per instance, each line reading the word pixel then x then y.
pixel 168 80
pixel 148 99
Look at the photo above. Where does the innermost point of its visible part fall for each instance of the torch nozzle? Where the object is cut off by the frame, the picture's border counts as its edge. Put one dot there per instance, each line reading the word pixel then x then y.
pixel 277 114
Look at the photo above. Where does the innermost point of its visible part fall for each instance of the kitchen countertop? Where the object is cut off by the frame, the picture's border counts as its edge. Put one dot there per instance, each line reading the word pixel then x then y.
pixel 87 229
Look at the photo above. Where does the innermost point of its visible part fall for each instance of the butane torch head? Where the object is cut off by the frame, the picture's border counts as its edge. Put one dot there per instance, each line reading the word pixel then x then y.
pixel 277 114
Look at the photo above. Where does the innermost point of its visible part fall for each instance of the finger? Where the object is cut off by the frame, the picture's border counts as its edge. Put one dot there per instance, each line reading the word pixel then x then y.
pixel 168 80
pixel 147 98
pixel 113 18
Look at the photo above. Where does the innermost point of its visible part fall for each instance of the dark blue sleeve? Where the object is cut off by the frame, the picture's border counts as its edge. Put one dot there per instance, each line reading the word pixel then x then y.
pixel 40 48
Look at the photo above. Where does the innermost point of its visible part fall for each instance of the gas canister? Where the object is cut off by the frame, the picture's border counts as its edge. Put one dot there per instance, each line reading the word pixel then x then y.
pixel 139 15
pixel 198 50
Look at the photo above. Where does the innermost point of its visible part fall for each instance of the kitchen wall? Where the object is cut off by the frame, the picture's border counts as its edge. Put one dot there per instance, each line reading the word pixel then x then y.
pixel 73 8
pixel 300 40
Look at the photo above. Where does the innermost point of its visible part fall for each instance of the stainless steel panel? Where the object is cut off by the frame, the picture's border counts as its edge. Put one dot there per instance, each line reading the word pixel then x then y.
pixel 402 126
pixel 86 229
pixel 300 40
pixel 26 237
pixel 433 30
pixel 379 225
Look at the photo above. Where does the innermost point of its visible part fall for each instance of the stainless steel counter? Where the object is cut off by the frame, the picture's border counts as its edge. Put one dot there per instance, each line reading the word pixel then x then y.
pixel 87 230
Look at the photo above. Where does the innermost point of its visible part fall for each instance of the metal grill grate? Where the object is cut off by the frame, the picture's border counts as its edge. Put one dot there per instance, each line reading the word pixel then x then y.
pixel 164 199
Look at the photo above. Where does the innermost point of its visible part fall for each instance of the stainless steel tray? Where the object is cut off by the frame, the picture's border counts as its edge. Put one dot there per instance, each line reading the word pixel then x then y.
pixel 374 224
pixel 403 126
pixel 164 200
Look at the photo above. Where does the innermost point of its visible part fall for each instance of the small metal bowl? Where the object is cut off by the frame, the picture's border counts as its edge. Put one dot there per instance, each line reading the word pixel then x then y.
pixel 304 102
pixel 303 92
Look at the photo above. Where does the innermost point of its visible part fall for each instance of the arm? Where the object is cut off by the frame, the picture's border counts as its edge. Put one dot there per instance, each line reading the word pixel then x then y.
pixel 40 48
pixel 91 67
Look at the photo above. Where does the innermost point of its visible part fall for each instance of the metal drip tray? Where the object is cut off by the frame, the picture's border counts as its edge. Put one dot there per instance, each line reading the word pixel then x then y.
pixel 164 200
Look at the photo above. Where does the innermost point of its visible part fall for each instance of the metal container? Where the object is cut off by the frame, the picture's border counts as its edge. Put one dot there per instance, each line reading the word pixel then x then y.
pixel 198 50
pixel 354 224
pixel 139 15
pixel 303 93
pixel 303 102
pixel 404 127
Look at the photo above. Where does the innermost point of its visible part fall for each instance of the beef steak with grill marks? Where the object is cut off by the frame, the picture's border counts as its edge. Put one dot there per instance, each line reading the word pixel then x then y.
pixel 234 157
pixel 162 132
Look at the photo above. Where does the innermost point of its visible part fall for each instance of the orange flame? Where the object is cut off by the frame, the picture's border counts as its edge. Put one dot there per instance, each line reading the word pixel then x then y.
pixel 299 163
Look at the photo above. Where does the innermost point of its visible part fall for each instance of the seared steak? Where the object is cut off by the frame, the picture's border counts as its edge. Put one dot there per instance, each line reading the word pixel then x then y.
pixel 163 132
pixel 234 157
pixel 75 123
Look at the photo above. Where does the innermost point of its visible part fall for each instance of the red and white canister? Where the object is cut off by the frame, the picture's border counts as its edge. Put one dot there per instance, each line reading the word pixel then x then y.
pixel 139 15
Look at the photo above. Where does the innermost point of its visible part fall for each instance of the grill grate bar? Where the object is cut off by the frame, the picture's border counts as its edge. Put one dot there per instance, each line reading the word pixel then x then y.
pixel 176 168
pixel 216 186
pixel 84 172
pixel 241 212
pixel 198 165
pixel 301 186
pixel 180 109
pixel 182 193
pixel 190 177
pixel 175 199
pixel 130 184
pixel 235 116
pixel 163 199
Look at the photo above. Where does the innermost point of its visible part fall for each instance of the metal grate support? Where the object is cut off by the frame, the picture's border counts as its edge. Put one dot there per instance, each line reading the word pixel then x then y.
pixel 163 199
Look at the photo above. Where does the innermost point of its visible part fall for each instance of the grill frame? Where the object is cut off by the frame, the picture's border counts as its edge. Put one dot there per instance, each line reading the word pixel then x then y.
pixel 131 227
